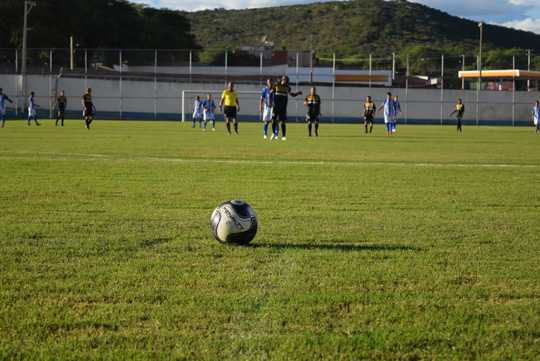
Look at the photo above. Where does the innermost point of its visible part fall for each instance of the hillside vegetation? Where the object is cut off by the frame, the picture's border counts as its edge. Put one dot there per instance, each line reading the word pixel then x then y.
pixel 351 26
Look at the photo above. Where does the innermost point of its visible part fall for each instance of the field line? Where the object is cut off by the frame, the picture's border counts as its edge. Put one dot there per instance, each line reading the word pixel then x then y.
pixel 57 156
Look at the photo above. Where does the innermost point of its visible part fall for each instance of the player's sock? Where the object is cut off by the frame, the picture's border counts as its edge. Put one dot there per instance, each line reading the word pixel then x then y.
pixel 265 127
pixel 199 123
pixel 366 127
pixel 62 120
pixel 204 126
pixel 35 120
pixel 29 119
pixel 309 129
pixel 229 127
pixel 276 129
pixel 236 127
pixel 316 129
pixel 370 128
pixel 4 120
pixel 213 124
pixel 387 127
pixel 283 129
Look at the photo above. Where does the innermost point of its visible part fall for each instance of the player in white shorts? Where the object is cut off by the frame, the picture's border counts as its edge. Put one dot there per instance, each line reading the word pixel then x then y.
pixel 536 116
pixel 388 105
pixel 197 111
pixel 208 107
pixel 32 109
pixel 267 99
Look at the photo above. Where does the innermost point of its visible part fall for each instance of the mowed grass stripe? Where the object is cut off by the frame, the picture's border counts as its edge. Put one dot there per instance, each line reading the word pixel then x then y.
pixel 154 159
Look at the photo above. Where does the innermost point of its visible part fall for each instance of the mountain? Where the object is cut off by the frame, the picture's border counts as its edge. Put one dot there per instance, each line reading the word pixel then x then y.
pixel 351 26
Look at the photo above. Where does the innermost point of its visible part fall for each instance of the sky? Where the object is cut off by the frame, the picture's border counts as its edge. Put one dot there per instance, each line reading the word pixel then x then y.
pixel 518 14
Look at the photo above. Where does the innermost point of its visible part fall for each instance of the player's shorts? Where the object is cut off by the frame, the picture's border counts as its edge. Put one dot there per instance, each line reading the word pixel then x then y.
pixel 32 111
pixel 208 115
pixel 61 110
pixel 197 115
pixel 2 110
pixel 536 121
pixel 369 118
pixel 279 114
pixel 311 116
pixel 88 113
pixel 230 112
pixel 388 119
pixel 267 114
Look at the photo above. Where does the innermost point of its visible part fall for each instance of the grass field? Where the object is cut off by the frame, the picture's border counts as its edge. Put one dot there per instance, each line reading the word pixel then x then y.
pixel 420 245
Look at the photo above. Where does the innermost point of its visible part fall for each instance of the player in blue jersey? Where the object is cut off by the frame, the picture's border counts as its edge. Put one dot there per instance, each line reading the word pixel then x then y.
pixel 535 116
pixel 388 105
pixel 32 109
pixel 197 111
pixel 265 106
pixel 208 107
pixel 397 108
pixel 3 98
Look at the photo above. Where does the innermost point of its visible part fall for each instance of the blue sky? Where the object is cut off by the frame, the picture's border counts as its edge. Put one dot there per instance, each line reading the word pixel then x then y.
pixel 518 14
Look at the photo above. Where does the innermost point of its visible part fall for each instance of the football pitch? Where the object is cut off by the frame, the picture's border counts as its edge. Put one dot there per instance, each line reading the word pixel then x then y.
pixel 420 245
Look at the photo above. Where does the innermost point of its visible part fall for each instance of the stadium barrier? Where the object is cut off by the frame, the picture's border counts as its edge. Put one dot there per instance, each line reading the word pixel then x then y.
pixel 151 86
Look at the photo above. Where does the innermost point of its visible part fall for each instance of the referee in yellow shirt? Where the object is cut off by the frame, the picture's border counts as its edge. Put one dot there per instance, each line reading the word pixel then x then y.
pixel 230 97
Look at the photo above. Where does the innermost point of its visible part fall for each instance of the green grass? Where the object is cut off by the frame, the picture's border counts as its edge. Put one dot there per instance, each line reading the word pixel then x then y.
pixel 420 245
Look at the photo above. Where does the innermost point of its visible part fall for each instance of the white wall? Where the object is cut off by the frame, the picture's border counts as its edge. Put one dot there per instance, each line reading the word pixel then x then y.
pixel 163 99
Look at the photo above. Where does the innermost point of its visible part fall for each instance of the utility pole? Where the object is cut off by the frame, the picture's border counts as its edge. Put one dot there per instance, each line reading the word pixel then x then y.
pixel 25 25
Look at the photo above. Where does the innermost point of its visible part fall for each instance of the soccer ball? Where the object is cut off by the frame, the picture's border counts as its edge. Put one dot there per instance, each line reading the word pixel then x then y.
pixel 234 221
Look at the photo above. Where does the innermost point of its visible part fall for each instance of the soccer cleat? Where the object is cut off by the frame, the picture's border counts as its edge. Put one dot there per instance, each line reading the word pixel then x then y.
pixel 316 134
pixel 229 133
pixel 265 136
pixel 204 130
pixel 213 129
pixel 236 133
pixel 272 136
pixel 283 138
pixel 38 124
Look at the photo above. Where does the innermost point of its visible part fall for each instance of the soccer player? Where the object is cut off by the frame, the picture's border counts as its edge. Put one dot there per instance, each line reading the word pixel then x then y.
pixel 267 109
pixel 313 102
pixel 61 102
pixel 88 107
pixel 397 107
pixel 388 105
pixel 3 98
pixel 32 109
pixel 281 92
pixel 535 116
pixel 460 110
pixel 197 111
pixel 369 113
pixel 208 107
pixel 230 98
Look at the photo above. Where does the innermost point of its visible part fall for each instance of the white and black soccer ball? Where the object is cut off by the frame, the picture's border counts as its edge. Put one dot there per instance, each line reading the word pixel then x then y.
pixel 234 221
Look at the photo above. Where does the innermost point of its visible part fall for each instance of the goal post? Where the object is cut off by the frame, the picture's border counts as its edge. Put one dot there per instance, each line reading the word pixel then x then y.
pixel 249 101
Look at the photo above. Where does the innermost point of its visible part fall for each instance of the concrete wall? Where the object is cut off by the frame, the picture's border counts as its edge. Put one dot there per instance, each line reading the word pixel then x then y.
pixel 138 99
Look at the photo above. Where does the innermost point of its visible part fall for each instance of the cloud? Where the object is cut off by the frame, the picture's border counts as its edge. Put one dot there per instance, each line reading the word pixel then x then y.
pixel 528 24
